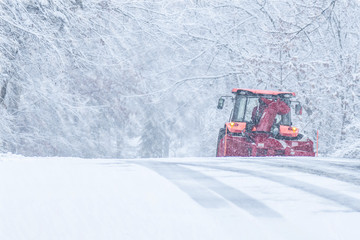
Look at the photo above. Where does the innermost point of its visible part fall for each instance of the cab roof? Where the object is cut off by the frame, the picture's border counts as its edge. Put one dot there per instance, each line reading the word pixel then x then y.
pixel 261 92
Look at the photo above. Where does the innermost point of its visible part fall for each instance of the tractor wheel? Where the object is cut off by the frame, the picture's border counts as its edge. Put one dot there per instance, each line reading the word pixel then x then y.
pixel 220 136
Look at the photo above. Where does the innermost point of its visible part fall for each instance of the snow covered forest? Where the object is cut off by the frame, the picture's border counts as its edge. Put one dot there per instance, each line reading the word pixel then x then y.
pixel 129 79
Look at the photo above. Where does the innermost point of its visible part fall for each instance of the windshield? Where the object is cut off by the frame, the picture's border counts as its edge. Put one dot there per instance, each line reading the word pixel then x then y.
pixel 250 108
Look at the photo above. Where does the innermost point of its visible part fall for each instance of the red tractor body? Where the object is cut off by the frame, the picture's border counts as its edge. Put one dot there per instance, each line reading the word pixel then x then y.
pixel 260 125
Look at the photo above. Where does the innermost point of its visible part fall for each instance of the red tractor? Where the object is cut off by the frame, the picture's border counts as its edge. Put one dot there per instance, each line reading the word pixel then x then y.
pixel 260 125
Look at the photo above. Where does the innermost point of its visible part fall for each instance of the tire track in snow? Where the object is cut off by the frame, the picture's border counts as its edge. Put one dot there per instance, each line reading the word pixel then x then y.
pixel 340 176
pixel 353 166
pixel 342 199
pixel 201 194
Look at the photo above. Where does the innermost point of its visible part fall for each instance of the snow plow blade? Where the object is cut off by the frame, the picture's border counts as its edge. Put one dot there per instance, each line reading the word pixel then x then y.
pixel 257 146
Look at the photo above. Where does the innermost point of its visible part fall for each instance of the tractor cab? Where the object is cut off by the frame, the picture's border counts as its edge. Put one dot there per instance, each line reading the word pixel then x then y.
pixel 262 116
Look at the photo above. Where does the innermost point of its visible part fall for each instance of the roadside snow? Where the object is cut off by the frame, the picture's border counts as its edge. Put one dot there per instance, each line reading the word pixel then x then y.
pixel 190 198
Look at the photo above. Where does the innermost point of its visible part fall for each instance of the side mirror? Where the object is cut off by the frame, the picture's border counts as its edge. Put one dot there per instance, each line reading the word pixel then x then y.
pixel 221 103
pixel 298 109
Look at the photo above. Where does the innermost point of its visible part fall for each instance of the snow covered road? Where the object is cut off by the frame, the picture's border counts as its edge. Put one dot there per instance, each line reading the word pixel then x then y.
pixel 183 198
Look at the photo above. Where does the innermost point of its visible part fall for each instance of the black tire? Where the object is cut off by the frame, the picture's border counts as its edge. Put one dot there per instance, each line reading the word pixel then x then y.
pixel 220 136
pixel 298 137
